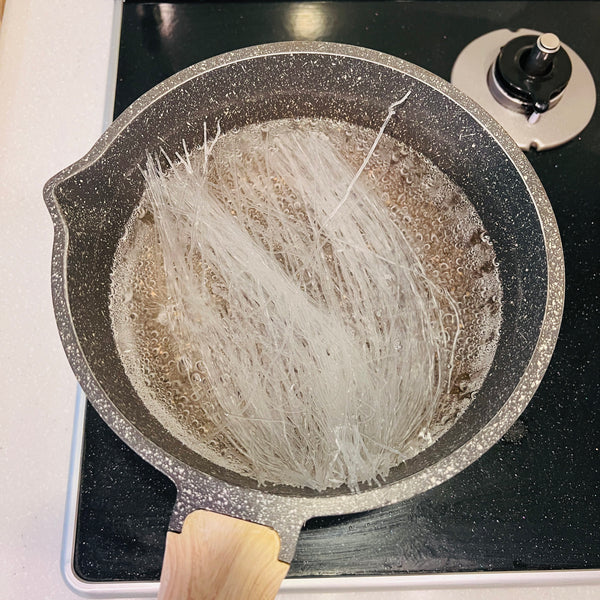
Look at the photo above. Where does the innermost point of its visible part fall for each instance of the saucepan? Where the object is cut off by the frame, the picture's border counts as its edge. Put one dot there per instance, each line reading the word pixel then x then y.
pixel 229 536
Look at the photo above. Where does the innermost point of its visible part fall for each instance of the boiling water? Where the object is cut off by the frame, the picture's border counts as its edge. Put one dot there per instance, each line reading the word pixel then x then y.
pixel 446 240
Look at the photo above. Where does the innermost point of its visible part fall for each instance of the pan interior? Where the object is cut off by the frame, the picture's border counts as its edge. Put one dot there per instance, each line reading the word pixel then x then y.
pixel 282 86
pixel 306 346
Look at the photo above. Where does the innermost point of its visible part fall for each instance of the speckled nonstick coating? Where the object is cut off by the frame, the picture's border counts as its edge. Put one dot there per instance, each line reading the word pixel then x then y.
pixel 91 201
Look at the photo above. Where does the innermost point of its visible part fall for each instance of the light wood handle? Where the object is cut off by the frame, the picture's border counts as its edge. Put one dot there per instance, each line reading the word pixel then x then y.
pixel 216 557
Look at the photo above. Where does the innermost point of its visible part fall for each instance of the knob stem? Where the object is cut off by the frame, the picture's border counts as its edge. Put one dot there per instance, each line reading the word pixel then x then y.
pixel 538 61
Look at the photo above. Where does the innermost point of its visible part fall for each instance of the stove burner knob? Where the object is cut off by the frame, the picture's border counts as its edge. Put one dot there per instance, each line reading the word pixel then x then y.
pixel 542 65
pixel 530 74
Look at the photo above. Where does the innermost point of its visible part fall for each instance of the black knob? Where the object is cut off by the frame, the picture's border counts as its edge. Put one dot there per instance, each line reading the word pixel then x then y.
pixel 533 70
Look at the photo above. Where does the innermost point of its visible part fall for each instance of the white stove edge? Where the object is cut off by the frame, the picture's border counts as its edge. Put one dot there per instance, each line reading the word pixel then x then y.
pixel 304 586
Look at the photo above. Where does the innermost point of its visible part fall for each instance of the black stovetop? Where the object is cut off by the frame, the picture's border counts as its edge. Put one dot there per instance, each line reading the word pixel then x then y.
pixel 530 503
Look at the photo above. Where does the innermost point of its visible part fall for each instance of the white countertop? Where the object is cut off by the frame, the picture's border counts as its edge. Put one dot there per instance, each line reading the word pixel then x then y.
pixel 54 82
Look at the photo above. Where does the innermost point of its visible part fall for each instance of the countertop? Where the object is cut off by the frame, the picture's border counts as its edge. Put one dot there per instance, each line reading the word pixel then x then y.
pixel 55 79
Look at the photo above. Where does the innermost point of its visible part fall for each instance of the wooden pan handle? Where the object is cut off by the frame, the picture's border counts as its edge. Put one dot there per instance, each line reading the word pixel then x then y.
pixel 216 557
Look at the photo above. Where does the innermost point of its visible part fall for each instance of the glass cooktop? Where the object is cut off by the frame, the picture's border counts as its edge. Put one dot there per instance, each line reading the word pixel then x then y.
pixel 531 502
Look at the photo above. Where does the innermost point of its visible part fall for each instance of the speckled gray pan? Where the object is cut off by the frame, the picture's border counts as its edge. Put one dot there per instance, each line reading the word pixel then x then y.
pixel 91 201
